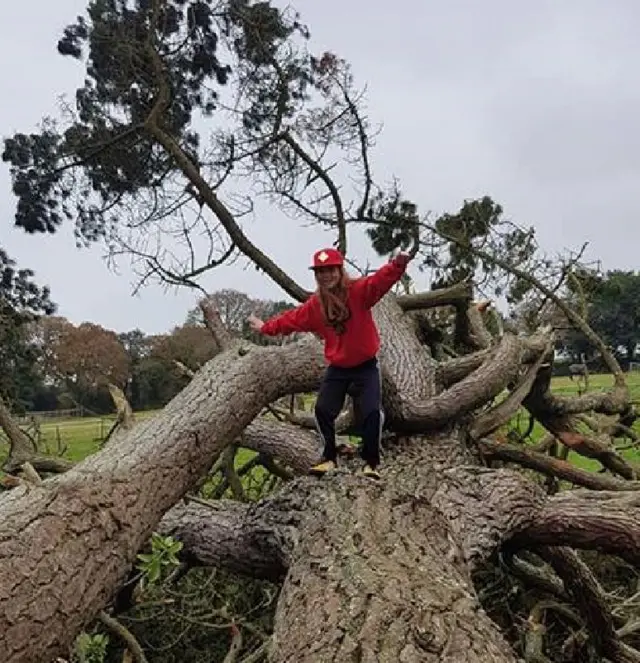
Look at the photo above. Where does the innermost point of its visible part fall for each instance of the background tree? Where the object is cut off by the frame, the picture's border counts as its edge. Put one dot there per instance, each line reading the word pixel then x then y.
pixel 608 301
pixel 614 310
pixel 81 360
pixel 21 302
pixel 190 345
pixel 136 345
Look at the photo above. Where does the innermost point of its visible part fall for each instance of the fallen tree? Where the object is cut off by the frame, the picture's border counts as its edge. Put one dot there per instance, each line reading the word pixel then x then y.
pixel 369 571
pixel 372 570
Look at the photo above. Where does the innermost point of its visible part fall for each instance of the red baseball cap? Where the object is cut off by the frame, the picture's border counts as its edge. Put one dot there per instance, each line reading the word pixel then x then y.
pixel 327 258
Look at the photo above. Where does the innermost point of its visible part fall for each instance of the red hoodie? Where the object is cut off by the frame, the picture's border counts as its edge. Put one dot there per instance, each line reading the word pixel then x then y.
pixel 360 341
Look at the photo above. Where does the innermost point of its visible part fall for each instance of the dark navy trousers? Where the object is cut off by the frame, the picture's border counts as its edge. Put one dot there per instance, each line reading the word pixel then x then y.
pixel 362 383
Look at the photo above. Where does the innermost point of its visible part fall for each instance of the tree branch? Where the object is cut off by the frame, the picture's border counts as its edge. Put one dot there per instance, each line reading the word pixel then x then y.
pixel 553 467
pixel 475 389
pixel 220 333
pixel 124 634
pixel 470 330
pixel 451 296
pixel 606 521
pixel 307 419
pixel 453 370
pixel 543 406
pixel 491 420
pixel 109 503
pixel 591 600
pixel 124 413
pixel 21 448
pixel 253 539
pixel 329 183
pixel 154 128
pixel 572 316
pixel 296 447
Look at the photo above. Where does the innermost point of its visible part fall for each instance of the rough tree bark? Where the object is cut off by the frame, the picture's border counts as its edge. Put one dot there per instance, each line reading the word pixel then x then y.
pixel 370 571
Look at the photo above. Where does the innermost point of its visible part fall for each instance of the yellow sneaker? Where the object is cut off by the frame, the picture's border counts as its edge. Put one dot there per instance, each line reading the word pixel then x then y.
pixel 370 472
pixel 323 467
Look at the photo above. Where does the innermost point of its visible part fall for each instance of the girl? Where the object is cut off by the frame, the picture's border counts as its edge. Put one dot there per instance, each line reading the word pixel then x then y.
pixel 340 313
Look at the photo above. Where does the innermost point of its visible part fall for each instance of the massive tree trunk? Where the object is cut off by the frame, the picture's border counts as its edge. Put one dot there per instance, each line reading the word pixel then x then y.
pixel 378 573
pixel 371 571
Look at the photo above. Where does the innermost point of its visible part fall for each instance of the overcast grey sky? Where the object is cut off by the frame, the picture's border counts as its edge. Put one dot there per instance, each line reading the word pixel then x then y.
pixel 536 104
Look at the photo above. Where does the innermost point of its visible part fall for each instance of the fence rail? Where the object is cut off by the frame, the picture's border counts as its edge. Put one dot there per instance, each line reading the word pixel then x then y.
pixel 51 414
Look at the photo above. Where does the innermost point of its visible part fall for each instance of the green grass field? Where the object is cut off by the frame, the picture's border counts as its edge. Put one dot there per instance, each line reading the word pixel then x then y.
pixel 77 438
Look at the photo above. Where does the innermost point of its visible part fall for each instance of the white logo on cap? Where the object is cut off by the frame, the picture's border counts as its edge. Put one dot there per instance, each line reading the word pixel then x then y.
pixel 323 256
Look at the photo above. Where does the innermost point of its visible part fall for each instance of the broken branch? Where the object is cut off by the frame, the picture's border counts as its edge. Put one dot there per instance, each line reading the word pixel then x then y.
pixel 606 521
pixel 492 420
pixel 554 467
pixel 451 296
pixel 591 600
pixel 220 333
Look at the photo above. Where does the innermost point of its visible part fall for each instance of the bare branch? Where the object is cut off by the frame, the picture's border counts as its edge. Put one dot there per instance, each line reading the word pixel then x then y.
pixel 533 575
pixel 236 235
pixel 220 333
pixel 21 449
pixel 553 467
pixel 453 370
pixel 491 420
pixel 185 370
pixel 124 412
pixel 333 189
pixel 566 428
pixel 236 645
pixel 125 635
pixel 605 521
pixel 239 537
pixel 451 296
pixel 591 600
pixel 297 448
pixel 308 420
pixel 475 389
pixel 470 330
pixel 230 474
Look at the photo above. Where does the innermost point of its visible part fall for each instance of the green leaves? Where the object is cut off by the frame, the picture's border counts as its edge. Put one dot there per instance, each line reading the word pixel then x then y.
pixel 91 648
pixel 396 222
pixel 458 247
pixel 169 55
pixel 103 159
pixel 163 556
pixel 41 201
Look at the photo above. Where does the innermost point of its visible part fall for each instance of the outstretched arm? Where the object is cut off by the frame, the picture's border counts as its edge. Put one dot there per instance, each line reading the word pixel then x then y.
pixel 299 319
pixel 378 284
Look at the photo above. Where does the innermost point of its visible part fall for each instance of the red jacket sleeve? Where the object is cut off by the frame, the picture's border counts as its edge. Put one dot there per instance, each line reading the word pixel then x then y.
pixel 374 287
pixel 299 319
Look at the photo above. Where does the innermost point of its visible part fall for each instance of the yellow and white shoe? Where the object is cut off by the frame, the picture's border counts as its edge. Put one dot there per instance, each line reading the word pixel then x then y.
pixel 370 472
pixel 323 467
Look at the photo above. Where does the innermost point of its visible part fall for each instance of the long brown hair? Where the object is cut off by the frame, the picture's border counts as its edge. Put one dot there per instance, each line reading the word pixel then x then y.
pixel 334 302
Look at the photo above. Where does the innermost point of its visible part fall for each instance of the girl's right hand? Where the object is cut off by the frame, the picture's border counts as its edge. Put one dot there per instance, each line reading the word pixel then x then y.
pixel 255 323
